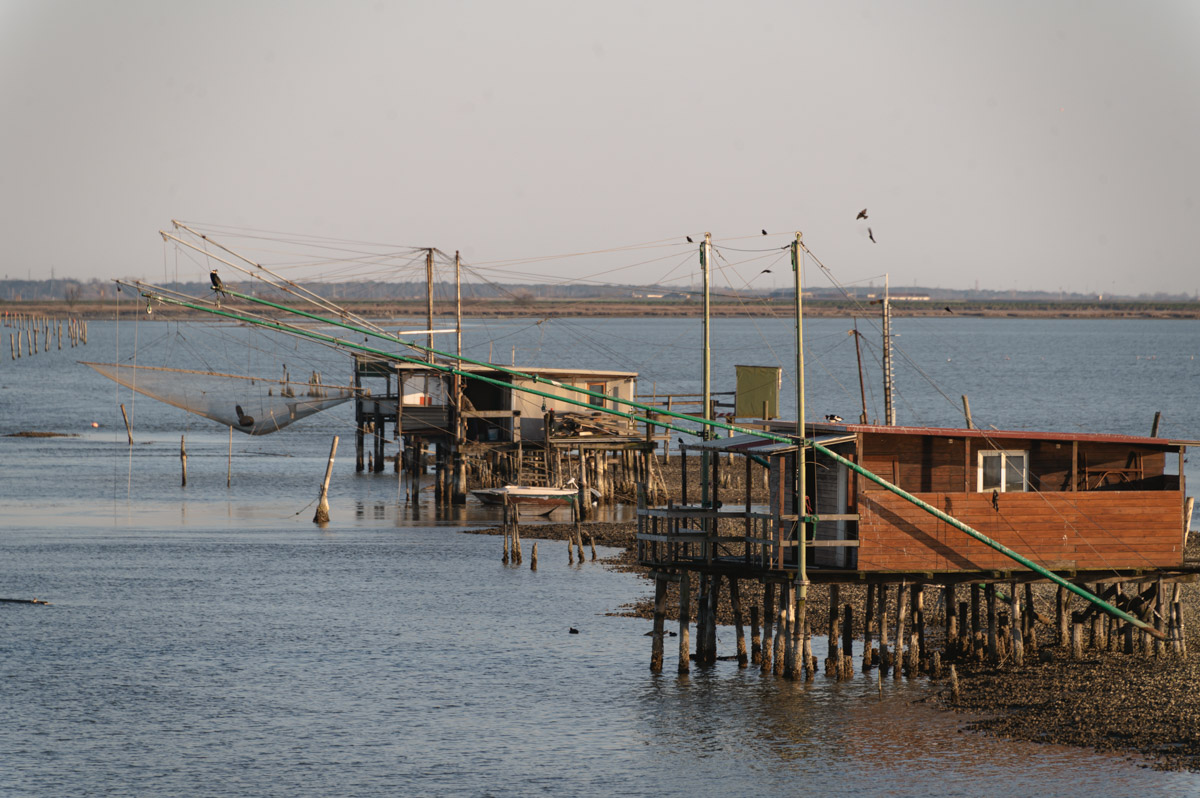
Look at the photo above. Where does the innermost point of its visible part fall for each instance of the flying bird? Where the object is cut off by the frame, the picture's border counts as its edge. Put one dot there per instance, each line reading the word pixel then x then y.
pixel 948 310
pixel 764 232
pixel 689 238
pixel 833 419
pixel 870 235
pixel 765 271
pixel 862 214
pixel 216 281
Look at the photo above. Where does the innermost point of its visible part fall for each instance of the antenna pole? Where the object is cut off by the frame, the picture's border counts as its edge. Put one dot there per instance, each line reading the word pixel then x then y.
pixel 801 456
pixel 889 410
pixel 429 298
pixel 706 262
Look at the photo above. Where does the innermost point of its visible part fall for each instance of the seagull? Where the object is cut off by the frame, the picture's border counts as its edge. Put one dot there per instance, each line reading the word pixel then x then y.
pixel 217 285
pixel 948 310
pixel 862 214
pixel 870 235
pixel 833 419
pixel 764 232
pixel 689 238
pixel 765 271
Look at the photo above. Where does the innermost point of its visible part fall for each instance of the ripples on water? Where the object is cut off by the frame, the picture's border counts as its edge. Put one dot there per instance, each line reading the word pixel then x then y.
pixel 213 641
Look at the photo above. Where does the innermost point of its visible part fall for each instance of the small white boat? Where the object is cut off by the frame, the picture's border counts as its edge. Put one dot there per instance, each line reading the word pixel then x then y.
pixel 522 494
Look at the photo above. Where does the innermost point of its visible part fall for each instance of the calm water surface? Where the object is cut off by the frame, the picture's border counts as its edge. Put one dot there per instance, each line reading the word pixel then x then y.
pixel 212 641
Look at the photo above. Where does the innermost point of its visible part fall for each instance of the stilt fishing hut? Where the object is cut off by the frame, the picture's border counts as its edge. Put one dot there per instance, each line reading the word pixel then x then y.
pixel 904 508
pixel 499 432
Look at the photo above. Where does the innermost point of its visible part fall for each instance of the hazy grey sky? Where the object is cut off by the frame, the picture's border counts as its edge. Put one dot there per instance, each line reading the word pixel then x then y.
pixel 1017 144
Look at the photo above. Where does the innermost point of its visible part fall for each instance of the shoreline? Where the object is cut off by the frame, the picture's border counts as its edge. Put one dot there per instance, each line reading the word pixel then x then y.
pixel 596 308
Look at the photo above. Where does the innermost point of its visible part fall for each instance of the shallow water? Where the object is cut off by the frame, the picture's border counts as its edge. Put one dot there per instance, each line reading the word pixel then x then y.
pixel 212 640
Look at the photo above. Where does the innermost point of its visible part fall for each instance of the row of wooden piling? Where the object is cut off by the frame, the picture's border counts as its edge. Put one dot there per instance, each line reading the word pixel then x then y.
pixel 997 623
pixel 33 335
pixel 511 528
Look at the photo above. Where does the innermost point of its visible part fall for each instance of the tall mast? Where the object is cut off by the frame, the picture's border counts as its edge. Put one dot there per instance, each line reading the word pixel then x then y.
pixel 889 410
pixel 429 297
pixel 801 453
pixel 457 344
pixel 706 262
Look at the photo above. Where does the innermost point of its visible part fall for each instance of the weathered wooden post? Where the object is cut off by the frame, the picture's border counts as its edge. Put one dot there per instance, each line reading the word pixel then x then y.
pixel 953 685
pixel 993 651
pixel 868 625
pixel 884 658
pixel 768 622
pixel 1060 616
pixel 781 628
pixel 128 430
pixel 322 515
pixel 917 654
pixel 901 610
pixel 533 557
pixel 976 622
pixel 834 657
pixel 1018 637
pixel 755 637
pixel 685 618
pixel 735 603
pixel 660 615
pixel 183 460
pixel 1031 619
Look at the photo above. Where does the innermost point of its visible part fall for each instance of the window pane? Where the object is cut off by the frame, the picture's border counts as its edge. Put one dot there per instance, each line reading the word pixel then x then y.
pixel 1014 472
pixel 991 471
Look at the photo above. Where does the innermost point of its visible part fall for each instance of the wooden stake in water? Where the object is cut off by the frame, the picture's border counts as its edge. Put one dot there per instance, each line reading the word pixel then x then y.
pixel 183 460
pixel 228 461
pixel 322 516
pixel 128 431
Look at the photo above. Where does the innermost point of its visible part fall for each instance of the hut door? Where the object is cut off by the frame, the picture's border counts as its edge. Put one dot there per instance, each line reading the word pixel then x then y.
pixel 833 482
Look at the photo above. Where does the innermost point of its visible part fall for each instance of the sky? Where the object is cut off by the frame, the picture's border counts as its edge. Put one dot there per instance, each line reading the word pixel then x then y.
pixel 1007 145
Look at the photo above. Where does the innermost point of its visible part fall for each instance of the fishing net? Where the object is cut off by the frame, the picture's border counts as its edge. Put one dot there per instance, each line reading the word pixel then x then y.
pixel 251 405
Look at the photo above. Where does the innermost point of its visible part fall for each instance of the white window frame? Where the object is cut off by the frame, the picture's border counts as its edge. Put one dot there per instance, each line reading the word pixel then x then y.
pixel 1003 454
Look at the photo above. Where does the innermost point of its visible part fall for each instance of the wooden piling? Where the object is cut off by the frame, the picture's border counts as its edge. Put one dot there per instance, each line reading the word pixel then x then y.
pixel 781 629
pixel 533 557
pixel 901 610
pixel 755 638
pixel 834 657
pixel 128 430
pixel 660 615
pixel 848 631
pixel 592 544
pixel 1018 637
pixel 322 514
pixel 993 651
pixel 954 695
pixel 918 646
pixel 976 623
pixel 868 625
pixel 768 622
pixel 1076 638
pixel 884 658
pixel 1060 616
pixel 685 618
pixel 1031 620
pixel 735 603
pixel 183 460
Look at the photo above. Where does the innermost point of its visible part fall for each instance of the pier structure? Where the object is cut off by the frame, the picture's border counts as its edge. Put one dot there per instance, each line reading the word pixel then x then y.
pixel 491 432
pixel 1004 530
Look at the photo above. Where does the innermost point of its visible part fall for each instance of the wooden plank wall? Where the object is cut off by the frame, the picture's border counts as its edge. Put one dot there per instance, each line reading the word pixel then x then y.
pixel 926 463
pixel 1084 530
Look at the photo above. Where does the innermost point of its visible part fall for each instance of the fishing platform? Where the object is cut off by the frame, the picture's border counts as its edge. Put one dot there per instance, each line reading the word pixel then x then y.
pixel 1103 511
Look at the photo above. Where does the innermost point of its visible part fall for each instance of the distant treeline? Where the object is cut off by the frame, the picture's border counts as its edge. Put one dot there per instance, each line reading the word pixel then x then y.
pixel 71 291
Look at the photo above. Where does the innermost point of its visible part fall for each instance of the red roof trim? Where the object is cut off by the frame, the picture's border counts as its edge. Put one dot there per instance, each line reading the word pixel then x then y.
pixel 952 432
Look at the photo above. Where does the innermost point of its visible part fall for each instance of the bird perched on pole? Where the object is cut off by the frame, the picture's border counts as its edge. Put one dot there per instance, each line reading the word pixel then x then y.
pixel 217 285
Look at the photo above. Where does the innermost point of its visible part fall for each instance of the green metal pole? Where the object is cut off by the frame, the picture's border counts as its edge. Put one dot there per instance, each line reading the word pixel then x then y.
pixel 1000 547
